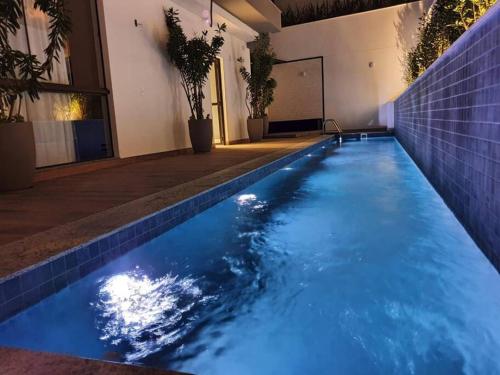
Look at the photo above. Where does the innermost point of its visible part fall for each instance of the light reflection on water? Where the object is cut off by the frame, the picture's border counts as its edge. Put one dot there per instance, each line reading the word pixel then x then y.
pixel 246 199
pixel 144 313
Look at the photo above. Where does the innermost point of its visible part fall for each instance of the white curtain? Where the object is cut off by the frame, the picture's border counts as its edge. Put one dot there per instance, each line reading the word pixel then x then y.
pixel 54 136
pixel 54 143
pixel 38 34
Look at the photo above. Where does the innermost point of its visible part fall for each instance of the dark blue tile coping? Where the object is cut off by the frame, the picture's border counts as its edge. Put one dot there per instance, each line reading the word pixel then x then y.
pixel 29 286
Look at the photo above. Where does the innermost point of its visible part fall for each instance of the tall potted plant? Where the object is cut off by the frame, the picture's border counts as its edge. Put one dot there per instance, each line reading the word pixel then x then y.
pixel 194 58
pixel 20 75
pixel 260 85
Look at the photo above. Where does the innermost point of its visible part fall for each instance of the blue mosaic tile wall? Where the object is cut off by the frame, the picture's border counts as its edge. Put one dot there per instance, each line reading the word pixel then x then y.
pixel 26 288
pixel 449 123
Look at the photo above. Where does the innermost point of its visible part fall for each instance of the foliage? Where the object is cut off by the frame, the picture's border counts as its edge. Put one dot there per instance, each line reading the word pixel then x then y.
pixel 309 12
pixel 260 87
pixel 76 109
pixel 470 11
pixel 193 58
pixel 445 22
pixel 21 72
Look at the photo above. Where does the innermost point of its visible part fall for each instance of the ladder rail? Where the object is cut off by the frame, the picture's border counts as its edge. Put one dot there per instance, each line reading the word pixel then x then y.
pixel 335 123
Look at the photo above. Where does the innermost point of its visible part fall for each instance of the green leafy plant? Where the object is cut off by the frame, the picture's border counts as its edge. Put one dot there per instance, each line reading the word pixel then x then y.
pixel 260 87
pixel 469 11
pixel 22 72
pixel 193 58
pixel 438 30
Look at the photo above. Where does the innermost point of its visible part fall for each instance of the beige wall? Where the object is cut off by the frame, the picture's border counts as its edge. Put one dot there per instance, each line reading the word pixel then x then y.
pixel 298 95
pixel 356 94
pixel 149 108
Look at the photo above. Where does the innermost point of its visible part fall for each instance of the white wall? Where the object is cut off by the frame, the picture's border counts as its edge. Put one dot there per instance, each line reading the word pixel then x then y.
pixel 149 107
pixel 356 94
pixel 298 95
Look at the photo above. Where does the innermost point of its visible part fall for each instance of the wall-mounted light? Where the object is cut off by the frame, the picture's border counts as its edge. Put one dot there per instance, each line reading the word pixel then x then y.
pixel 303 73
pixel 206 16
pixel 371 64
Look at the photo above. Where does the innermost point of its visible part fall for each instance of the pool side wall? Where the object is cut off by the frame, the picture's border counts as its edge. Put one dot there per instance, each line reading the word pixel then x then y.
pixel 30 286
pixel 449 123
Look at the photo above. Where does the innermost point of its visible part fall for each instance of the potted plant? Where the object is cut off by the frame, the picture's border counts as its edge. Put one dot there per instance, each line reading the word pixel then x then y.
pixel 194 58
pixel 260 87
pixel 20 75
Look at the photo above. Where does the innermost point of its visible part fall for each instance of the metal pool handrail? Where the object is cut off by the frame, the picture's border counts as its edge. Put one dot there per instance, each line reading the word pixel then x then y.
pixel 335 123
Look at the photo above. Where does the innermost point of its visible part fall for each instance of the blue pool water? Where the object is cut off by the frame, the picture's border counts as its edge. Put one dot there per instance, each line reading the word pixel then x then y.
pixel 346 262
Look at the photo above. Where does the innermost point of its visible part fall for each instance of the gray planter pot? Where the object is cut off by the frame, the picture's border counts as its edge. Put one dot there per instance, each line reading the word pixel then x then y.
pixel 201 134
pixel 266 125
pixel 17 156
pixel 255 129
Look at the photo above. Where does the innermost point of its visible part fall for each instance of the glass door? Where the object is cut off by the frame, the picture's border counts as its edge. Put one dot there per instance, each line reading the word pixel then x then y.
pixel 71 119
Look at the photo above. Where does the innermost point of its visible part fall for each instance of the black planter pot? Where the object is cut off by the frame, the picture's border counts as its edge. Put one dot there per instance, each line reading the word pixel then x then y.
pixel 17 156
pixel 201 134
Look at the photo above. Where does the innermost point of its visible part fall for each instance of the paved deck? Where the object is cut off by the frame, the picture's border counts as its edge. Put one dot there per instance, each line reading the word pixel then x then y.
pixel 21 362
pixel 63 212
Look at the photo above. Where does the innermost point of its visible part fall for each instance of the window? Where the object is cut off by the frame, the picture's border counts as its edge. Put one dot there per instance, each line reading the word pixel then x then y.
pixel 70 120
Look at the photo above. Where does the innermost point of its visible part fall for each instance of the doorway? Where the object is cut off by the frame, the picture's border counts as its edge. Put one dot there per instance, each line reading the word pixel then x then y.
pixel 217 97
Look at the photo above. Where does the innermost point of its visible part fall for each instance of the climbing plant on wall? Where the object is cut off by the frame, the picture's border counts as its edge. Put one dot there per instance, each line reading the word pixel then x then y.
pixel 470 11
pixel 445 22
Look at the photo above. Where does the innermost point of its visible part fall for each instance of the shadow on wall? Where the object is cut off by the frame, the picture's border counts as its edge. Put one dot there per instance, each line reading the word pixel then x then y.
pixel 173 99
pixel 239 97
pixel 371 117
pixel 178 130
pixel 406 27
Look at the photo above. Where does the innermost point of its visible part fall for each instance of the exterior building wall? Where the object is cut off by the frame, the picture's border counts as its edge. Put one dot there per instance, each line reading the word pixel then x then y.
pixel 148 105
pixel 449 122
pixel 355 93
pixel 297 83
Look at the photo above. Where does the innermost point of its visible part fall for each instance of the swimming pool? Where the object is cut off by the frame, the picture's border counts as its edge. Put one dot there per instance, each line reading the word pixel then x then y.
pixel 346 261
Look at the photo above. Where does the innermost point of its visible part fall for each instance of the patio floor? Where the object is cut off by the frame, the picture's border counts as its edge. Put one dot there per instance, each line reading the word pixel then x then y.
pixel 62 212
pixel 20 362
